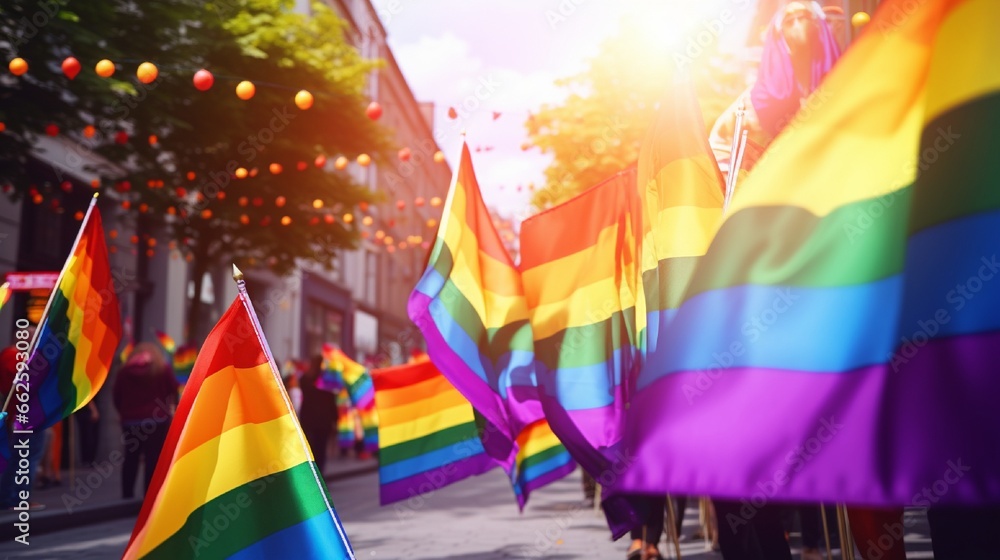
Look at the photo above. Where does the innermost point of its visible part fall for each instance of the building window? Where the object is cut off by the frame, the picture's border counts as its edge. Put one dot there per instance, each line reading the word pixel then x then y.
pixel 371 278
pixel 323 325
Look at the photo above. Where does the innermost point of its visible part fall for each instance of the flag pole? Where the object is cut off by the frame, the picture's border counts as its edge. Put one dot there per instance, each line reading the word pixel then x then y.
pixel 826 530
pixel 671 532
pixel 735 163
pixel 734 147
pixel 48 304
pixel 276 375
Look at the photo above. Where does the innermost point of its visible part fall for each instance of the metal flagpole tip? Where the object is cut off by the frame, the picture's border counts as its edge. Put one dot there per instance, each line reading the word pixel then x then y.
pixel 237 274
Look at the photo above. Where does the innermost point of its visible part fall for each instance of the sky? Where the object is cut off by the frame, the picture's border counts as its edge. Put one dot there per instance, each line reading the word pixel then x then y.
pixel 495 61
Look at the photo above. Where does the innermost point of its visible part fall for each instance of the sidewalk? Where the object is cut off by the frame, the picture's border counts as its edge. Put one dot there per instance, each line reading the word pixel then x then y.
pixel 96 497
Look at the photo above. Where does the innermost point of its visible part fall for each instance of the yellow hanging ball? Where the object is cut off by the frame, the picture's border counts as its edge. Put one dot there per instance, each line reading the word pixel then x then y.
pixel 147 72
pixel 245 90
pixel 303 100
pixel 364 160
pixel 105 68
pixel 859 19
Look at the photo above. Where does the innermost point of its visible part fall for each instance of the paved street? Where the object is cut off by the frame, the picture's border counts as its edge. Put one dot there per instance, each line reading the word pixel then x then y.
pixel 475 519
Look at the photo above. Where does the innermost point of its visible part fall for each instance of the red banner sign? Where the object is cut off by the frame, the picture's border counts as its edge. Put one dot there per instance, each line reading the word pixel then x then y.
pixel 23 281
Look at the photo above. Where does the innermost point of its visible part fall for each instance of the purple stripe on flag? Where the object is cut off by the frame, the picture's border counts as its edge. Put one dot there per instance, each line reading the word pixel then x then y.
pixel 498 442
pixel 871 436
pixel 436 479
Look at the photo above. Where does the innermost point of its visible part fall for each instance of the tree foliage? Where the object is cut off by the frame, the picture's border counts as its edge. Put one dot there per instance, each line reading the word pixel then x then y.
pixel 597 130
pixel 184 184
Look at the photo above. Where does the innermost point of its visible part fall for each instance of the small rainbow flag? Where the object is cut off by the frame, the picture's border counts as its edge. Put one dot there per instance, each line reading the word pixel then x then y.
pixel 358 383
pixel 129 342
pixel 166 342
pixel 541 459
pixel 349 372
pixel 80 330
pixel 5 292
pixel 345 421
pixel 428 432
pixel 235 452
pixel 183 362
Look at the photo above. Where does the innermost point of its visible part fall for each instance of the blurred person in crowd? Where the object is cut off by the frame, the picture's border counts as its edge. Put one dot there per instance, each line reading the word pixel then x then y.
pixel 318 412
pixel 646 537
pixel 50 466
pixel 10 484
pixel 87 422
pixel 799 51
pixel 145 393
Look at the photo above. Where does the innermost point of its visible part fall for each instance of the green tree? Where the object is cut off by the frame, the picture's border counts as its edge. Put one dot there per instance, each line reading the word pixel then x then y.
pixel 597 130
pixel 185 183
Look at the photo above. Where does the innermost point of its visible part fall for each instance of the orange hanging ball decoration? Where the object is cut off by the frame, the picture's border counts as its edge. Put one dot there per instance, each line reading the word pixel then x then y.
pixel 241 173
pixel 367 221
pixel 244 219
pixel 400 204
pixel 374 111
pixel 364 160
pixel 245 90
pixel 105 68
pixel 203 80
pixel 363 205
pixel 279 202
pixel 147 72
pixel 303 100
pixel 206 214
pixel 320 161
pixel 436 201
pixel 18 66
pixel 432 223
pixel 153 140
pixel 285 220
pixel 404 154
pixel 275 168
pixel 439 157
pixel 89 131
pixel 329 218
pixel 340 164
pixel 71 67
pixel 348 218
pixel 860 19
pixel 419 201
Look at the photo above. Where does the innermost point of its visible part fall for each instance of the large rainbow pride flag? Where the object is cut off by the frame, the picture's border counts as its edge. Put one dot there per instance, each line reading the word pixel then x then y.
pixel 79 332
pixel 236 478
pixel 838 340
pixel 428 432
pixel 579 263
pixel 471 308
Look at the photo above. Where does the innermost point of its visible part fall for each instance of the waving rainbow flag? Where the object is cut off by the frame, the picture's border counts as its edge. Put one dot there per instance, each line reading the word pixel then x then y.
pixel 838 340
pixel 167 342
pixel 471 308
pixel 580 263
pixel 235 451
pixel 341 371
pixel 75 344
pixel 428 434
pixel 183 363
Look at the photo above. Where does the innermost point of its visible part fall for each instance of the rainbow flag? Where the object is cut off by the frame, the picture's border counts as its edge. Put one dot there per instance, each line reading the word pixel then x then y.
pixel 236 478
pixel 580 263
pixel 350 373
pixel 166 342
pixel 75 344
pixel 5 292
pixel 346 420
pixel 358 382
pixel 183 363
pixel 129 342
pixel 428 432
pixel 541 459
pixel 838 340
pixel 469 304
